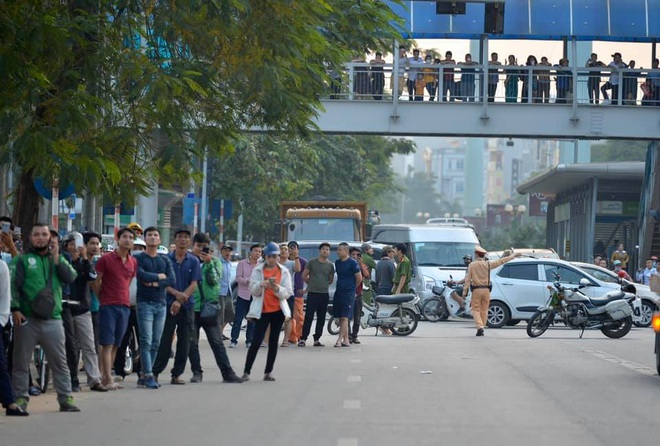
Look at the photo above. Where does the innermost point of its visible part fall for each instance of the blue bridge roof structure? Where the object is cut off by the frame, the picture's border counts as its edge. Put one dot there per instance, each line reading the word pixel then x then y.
pixel 587 20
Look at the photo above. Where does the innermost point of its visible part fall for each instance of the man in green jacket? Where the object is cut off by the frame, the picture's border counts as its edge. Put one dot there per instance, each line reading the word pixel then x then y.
pixel 38 320
pixel 207 293
pixel 370 263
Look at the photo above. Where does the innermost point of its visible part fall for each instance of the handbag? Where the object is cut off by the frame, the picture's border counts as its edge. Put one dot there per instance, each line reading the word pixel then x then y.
pixel 43 304
pixel 210 310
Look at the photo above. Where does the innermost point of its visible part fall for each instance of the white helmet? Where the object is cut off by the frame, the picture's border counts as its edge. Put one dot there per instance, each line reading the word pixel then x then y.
pixel 162 249
pixel 139 242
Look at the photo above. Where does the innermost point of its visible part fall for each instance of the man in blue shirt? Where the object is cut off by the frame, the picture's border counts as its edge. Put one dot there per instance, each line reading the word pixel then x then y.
pixel 154 275
pixel 226 302
pixel 181 314
pixel 349 278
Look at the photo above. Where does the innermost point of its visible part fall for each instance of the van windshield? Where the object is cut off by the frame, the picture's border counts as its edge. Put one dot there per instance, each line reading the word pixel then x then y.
pixel 441 253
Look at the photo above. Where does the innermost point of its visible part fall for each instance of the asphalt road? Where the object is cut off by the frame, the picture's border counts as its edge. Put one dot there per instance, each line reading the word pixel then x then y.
pixel 442 385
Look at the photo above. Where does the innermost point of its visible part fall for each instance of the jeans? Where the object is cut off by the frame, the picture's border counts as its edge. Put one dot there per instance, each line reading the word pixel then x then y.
pixel 242 308
pixel 6 392
pixel 150 321
pixel 214 336
pixel 317 303
pixel 275 321
pixel 183 323
pixel 50 335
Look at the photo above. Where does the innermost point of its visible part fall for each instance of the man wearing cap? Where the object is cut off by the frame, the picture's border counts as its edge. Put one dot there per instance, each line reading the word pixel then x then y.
pixel 478 278
pixel 620 271
pixel 180 315
pixel 227 312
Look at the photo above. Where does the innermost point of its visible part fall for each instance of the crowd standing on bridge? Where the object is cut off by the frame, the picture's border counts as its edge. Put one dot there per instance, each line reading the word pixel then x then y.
pixel 424 77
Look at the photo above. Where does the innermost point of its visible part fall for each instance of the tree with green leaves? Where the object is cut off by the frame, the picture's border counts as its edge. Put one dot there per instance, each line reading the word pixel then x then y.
pixel 615 151
pixel 109 95
pixel 265 170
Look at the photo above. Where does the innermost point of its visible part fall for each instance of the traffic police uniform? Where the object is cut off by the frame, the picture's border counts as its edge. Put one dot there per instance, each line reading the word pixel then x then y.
pixel 478 280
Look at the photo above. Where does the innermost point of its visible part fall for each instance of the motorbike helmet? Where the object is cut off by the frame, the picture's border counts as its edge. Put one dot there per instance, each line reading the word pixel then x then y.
pixel 271 249
pixel 467 257
pixel 139 242
pixel 135 227
pixel 162 249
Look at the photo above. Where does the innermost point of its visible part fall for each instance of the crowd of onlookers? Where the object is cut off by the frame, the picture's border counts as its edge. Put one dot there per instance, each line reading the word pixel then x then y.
pixel 617 259
pixel 433 79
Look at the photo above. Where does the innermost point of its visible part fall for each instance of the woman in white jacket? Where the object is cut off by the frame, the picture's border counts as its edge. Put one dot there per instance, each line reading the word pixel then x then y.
pixel 270 286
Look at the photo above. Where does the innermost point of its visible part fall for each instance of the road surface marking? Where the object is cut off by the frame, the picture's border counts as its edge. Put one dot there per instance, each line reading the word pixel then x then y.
pixel 352 404
pixel 347 442
pixel 634 366
pixel 356 361
pixel 354 379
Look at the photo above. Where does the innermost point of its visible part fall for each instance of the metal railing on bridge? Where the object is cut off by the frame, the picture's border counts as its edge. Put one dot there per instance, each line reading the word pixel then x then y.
pixel 538 84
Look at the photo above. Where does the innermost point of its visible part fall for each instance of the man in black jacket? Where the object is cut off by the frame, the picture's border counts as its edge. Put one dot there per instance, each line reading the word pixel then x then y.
pixel 81 318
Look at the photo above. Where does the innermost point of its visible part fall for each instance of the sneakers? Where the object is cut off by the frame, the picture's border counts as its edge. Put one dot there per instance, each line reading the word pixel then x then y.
pixel 301 343
pixel 150 383
pixel 177 381
pixel 480 332
pixel 16 412
pixel 264 345
pixel 248 344
pixel 196 378
pixel 460 312
pixel 318 344
pixel 268 377
pixel 233 344
pixel 69 405
pixel 233 379
pixel 75 388
pixel 22 403
pixel 34 391
pixel 245 377
pixel 140 382
pixel 355 341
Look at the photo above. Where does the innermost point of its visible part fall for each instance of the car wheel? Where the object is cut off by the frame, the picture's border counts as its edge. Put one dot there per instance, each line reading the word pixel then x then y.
pixel 648 308
pixel 498 314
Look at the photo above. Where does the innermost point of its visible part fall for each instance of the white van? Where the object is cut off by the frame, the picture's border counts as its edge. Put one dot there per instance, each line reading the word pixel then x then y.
pixel 435 250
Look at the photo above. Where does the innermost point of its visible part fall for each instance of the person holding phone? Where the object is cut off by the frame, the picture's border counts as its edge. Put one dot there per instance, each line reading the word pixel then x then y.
pixel 207 293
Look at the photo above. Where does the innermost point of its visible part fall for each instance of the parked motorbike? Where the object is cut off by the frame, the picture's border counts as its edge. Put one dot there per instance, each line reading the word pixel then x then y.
pixel 442 305
pixel 612 313
pixel 397 312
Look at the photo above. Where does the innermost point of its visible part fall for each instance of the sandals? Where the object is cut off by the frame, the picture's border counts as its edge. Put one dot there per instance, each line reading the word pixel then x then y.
pixel 284 344
pixel 337 344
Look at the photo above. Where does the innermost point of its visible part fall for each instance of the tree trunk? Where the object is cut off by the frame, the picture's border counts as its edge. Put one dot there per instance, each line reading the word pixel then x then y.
pixel 28 200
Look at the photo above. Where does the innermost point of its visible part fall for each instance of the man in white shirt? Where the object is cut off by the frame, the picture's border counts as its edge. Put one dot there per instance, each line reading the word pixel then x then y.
pixel 643 276
pixel 416 63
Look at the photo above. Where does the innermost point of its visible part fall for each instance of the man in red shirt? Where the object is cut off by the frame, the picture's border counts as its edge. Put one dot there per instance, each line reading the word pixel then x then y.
pixel 115 271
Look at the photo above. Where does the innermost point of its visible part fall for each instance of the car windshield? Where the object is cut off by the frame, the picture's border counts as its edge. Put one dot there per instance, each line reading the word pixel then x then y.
pixel 441 253
pixel 600 275
pixel 337 229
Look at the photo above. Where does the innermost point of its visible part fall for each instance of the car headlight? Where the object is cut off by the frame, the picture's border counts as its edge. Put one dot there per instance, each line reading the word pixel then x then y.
pixel 429 283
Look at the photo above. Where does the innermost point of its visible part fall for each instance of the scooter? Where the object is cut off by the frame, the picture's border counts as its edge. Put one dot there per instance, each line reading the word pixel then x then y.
pixel 442 305
pixel 397 312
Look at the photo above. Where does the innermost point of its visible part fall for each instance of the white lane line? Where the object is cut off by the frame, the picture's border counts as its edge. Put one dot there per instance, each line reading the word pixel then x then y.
pixel 356 361
pixel 634 366
pixel 354 379
pixel 352 404
pixel 347 442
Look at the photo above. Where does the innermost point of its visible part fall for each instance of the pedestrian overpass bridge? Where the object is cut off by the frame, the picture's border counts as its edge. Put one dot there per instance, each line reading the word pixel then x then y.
pixel 354 107
pixel 545 121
